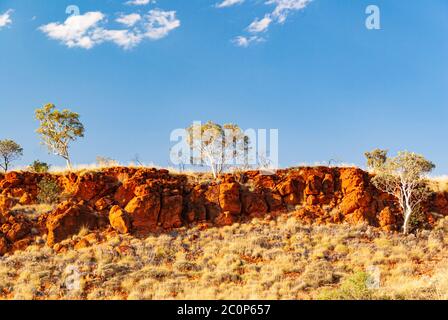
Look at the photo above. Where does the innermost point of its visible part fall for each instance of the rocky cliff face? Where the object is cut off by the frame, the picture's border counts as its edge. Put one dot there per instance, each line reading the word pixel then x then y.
pixel 149 200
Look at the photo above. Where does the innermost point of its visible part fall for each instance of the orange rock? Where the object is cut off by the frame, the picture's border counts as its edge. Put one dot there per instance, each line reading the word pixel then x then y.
pixel 18 231
pixel 254 203
pixel 351 179
pixel 328 184
pixel 119 220
pixel 83 243
pixel 229 198
pixel 440 203
pixel 171 212
pixel 144 212
pixel 21 244
pixel 387 219
pixel 288 187
pixel 6 203
pixel 353 201
pixel 103 204
pixel 125 193
pixel 3 245
pixel 225 219
pixel 195 205
pixel 14 178
pixel 68 219
pixel 274 201
pixel 26 199
pixel 91 186
pixel 313 185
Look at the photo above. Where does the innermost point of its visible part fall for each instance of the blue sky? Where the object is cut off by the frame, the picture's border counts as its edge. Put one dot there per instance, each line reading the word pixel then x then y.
pixel 333 88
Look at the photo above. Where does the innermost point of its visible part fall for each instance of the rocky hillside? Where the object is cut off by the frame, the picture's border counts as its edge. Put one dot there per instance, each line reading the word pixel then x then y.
pixel 142 201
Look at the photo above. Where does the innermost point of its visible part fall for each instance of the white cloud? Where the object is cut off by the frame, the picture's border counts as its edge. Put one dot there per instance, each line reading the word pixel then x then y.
pixel 87 30
pixel 124 38
pixel 160 23
pixel 5 18
pixel 284 7
pixel 260 25
pixel 228 3
pixel 140 2
pixel 129 20
pixel 279 14
pixel 76 31
pixel 242 41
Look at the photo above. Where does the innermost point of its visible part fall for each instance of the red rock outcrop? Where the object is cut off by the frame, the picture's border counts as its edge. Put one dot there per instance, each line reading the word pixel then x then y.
pixel 119 220
pixel 149 200
pixel 68 219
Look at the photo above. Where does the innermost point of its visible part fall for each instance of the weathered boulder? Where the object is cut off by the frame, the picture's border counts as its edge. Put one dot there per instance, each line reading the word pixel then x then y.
pixel 387 220
pixel 195 209
pixel 18 231
pixel 3 245
pixel 119 220
pixel 229 198
pixel 68 219
pixel 26 199
pixel 92 186
pixel 144 212
pixel 6 203
pixel 103 204
pixel 254 203
pixel 313 185
pixel 171 211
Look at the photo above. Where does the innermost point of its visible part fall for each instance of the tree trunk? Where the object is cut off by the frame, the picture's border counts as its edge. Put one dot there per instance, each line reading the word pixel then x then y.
pixel 407 216
pixel 69 164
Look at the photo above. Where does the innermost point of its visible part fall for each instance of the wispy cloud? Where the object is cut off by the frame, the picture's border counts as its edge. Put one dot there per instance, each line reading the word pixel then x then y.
pixel 228 3
pixel 129 20
pixel 140 2
pixel 5 18
pixel 242 41
pixel 88 30
pixel 280 12
pixel 160 23
pixel 260 25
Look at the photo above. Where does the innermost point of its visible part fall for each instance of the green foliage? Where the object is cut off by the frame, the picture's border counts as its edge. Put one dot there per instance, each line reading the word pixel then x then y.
pixel 58 128
pixel 376 159
pixel 403 176
pixel 49 191
pixel 218 146
pixel 9 151
pixel 352 288
pixel 39 167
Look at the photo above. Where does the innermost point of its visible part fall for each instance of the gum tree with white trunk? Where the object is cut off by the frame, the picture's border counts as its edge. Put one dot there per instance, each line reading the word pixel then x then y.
pixel 58 129
pixel 404 176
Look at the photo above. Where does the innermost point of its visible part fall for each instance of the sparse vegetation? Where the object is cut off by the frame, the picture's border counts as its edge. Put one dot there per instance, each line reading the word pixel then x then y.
pixel 9 152
pixel 49 191
pixel 261 259
pixel 218 146
pixel 39 167
pixel 58 129
pixel 106 162
pixel 402 176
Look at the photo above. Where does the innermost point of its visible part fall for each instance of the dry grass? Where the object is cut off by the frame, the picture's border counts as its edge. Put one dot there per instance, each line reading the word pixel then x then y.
pixel 280 259
pixel 439 184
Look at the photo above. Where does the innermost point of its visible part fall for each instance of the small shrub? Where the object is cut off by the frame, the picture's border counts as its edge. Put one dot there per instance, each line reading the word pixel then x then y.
pixel 352 288
pixel 48 191
pixel 39 167
pixel 106 162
